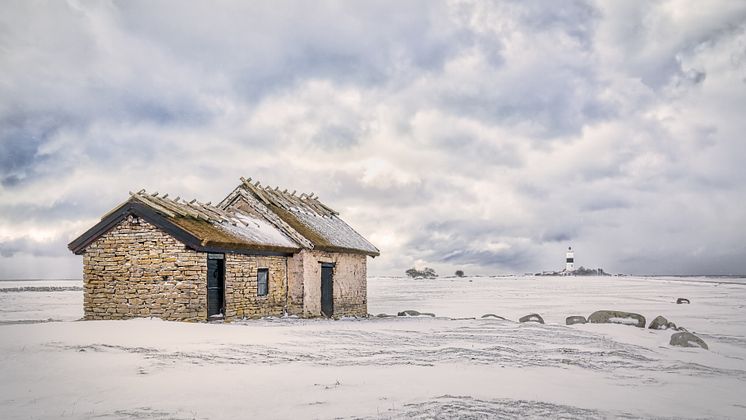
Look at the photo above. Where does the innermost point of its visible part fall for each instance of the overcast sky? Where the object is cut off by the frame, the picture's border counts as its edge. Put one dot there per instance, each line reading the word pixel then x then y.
pixel 483 136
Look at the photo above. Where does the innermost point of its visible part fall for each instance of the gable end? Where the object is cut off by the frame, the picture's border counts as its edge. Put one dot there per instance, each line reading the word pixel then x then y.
pixel 112 219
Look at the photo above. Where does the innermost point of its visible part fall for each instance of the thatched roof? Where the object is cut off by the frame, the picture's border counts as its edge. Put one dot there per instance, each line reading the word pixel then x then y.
pixel 304 218
pixel 200 226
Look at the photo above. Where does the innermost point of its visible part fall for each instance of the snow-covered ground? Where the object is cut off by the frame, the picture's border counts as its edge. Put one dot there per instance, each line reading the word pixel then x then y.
pixel 387 367
pixel 40 301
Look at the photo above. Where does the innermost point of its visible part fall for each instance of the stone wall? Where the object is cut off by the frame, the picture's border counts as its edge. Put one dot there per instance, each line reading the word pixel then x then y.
pixel 304 277
pixel 295 284
pixel 136 270
pixel 241 300
pixel 350 283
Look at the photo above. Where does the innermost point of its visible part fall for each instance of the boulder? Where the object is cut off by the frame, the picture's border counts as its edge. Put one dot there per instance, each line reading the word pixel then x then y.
pixel 532 318
pixel 617 317
pixel 493 316
pixel 687 339
pixel 410 312
pixel 661 323
pixel 679 301
pixel 575 319
pixel 384 316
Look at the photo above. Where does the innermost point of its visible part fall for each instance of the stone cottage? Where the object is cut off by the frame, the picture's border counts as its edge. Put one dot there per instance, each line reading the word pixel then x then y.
pixel 260 252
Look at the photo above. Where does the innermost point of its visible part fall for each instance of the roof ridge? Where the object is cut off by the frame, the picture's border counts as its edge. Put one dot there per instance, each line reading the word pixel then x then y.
pixel 289 201
pixel 265 213
pixel 302 216
pixel 191 209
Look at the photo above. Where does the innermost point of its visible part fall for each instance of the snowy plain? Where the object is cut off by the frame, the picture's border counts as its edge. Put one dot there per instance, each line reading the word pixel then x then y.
pixel 450 366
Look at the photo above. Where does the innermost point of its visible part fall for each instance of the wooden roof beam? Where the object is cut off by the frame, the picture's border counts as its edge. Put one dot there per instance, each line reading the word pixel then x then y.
pixel 254 188
pixel 141 197
pixel 214 212
pixel 315 205
pixel 331 210
pixel 274 196
pixel 182 210
pixel 297 201
pixel 286 200
pixel 192 211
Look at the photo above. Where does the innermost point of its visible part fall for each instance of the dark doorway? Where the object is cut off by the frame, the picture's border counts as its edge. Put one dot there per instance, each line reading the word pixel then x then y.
pixel 327 290
pixel 215 284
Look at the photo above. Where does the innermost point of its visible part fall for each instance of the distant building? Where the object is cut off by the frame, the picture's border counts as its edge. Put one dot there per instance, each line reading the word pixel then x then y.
pixel 260 252
pixel 570 260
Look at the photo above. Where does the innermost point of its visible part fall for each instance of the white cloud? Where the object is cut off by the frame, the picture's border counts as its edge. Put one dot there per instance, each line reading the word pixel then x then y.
pixel 452 134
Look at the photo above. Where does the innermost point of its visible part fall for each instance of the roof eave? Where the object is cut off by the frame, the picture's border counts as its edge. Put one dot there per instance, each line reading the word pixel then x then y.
pixel 347 250
pixel 248 249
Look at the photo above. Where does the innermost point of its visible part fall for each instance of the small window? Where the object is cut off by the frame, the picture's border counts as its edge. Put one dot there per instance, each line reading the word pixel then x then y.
pixel 262 282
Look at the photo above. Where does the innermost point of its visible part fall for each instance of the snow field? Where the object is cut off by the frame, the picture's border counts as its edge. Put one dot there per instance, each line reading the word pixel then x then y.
pixel 390 367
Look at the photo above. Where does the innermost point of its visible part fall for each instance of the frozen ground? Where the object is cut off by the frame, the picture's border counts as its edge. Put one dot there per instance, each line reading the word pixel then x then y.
pixel 389 367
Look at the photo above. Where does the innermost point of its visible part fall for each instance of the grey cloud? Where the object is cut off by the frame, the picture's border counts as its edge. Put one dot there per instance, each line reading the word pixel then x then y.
pixel 560 234
pixel 348 188
pixel 467 150
pixel 557 237
pixel 223 52
pixel 605 203
pixel 557 96
pixel 337 136
pixel 511 259
pixel 676 264
pixel 267 47
pixel 55 248
pixel 513 127
pixel 20 139
pixel 65 210
pixel 556 103
pixel 463 242
pixel 644 31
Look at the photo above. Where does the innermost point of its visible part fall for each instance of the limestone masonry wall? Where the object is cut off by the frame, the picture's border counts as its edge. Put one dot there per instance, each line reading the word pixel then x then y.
pixel 295 284
pixel 241 300
pixel 137 270
pixel 350 283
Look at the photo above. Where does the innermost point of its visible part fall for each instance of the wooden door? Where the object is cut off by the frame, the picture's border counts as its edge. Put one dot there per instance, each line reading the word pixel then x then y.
pixel 327 290
pixel 215 285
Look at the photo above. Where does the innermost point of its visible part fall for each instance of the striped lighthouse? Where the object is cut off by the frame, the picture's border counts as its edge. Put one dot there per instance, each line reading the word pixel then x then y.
pixel 570 260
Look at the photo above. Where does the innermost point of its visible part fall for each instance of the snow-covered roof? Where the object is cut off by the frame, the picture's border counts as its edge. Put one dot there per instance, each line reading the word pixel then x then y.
pixel 311 223
pixel 218 225
pixel 200 225
pixel 269 220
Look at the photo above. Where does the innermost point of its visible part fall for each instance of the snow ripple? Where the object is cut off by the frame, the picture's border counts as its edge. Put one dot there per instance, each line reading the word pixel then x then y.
pixel 504 344
pixel 464 407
